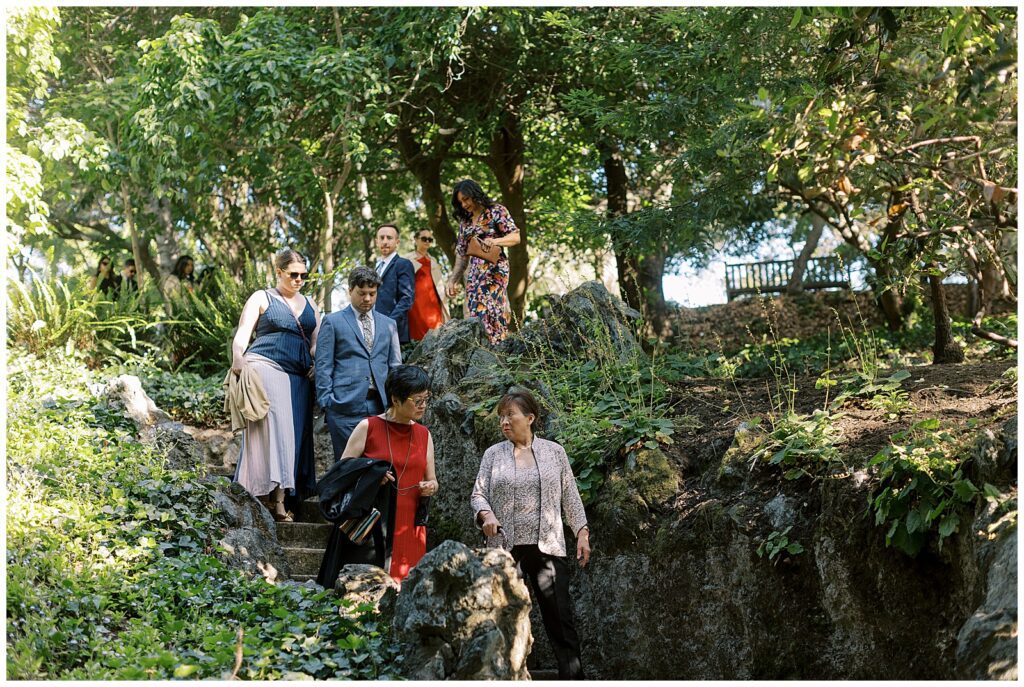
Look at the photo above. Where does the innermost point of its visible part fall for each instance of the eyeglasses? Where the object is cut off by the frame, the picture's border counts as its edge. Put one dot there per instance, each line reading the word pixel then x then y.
pixel 427 239
pixel 298 275
pixel 420 402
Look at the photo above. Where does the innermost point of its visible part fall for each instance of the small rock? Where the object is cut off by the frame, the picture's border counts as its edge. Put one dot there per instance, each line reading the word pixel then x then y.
pixel 126 392
pixel 250 540
pixel 367 584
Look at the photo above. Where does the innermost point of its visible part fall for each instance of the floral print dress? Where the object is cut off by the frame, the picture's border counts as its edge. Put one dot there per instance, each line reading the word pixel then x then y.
pixel 486 283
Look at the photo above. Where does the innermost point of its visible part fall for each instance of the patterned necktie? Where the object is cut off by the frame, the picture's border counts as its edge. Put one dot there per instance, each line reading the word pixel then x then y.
pixel 380 267
pixel 367 332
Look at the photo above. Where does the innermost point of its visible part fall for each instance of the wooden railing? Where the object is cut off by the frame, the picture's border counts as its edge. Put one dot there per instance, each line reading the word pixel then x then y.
pixel 772 276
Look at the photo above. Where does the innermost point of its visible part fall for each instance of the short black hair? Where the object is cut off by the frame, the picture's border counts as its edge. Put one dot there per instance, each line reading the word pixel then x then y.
pixel 522 399
pixel 388 224
pixel 130 262
pixel 404 381
pixel 363 276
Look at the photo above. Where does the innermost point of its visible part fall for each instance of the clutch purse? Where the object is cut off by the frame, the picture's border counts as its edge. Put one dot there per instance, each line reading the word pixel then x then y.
pixel 422 512
pixel 358 529
pixel 479 250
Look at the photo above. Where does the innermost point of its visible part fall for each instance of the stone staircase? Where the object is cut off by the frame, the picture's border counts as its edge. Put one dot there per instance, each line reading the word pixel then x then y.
pixel 303 540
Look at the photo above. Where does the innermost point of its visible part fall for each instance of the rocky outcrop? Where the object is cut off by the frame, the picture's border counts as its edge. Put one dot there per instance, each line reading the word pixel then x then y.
pixel 249 541
pixel 676 588
pixel 463 614
pixel 125 392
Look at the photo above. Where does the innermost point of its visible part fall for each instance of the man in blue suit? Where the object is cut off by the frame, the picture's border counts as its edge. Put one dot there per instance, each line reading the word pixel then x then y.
pixel 355 350
pixel 398 280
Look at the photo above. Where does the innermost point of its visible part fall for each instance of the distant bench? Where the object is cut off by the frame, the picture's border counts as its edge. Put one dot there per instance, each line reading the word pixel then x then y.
pixel 772 276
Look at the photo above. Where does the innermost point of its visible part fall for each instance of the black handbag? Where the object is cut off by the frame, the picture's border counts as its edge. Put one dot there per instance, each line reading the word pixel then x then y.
pixel 422 512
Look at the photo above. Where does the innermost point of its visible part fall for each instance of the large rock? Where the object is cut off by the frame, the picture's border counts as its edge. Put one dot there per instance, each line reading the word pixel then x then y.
pixel 249 542
pixel 463 614
pixel 179 448
pixel 987 643
pixel 220 446
pixel 585 315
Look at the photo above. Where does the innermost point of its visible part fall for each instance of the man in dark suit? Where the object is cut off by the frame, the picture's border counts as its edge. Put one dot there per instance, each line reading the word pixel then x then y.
pixel 398 280
pixel 355 350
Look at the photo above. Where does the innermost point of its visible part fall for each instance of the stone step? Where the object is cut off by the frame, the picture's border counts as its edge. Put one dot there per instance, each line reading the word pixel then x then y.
pixel 306 578
pixel 303 534
pixel 309 511
pixel 541 673
pixel 303 561
pixel 222 470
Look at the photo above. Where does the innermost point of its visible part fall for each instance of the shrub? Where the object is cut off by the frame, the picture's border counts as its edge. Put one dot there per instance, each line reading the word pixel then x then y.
pixel 922 488
pixel 111 566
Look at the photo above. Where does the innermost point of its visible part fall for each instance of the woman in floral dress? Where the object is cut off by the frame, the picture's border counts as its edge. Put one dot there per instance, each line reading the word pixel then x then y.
pixel 486 283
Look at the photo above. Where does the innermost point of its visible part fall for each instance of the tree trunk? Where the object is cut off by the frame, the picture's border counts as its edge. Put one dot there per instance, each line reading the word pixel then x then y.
pixel 796 279
pixel 506 161
pixel 945 350
pixel 640 275
pixel 366 214
pixel 167 248
pixel 327 250
pixel 142 258
pixel 427 170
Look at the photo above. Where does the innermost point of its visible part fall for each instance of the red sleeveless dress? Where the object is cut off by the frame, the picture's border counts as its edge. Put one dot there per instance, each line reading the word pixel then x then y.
pixel 409 456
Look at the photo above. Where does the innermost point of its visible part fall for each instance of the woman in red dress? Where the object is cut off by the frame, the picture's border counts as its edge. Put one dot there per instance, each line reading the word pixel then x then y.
pixel 428 308
pixel 395 436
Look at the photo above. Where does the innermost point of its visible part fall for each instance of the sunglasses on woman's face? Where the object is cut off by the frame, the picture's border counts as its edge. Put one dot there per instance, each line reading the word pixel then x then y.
pixel 427 239
pixel 298 275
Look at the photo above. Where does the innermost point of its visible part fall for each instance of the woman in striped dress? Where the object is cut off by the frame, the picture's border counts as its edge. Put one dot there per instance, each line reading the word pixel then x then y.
pixel 276 459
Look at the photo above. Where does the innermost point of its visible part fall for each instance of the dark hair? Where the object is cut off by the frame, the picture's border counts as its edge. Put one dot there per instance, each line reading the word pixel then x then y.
pixel 421 230
pixel 109 262
pixel 389 224
pixel 522 399
pixel 286 257
pixel 470 189
pixel 363 276
pixel 179 268
pixel 130 262
pixel 404 381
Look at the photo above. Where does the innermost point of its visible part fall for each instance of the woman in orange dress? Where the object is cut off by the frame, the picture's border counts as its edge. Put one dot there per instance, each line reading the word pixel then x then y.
pixel 395 436
pixel 428 307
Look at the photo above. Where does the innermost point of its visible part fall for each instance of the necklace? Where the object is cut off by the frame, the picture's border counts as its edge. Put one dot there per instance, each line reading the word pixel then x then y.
pixel 408 452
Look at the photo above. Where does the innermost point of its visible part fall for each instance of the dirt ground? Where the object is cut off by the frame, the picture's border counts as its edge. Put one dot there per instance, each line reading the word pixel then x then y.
pixel 708 411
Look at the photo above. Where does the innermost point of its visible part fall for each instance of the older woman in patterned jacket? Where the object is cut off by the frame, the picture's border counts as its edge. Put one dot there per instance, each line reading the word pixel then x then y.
pixel 524 487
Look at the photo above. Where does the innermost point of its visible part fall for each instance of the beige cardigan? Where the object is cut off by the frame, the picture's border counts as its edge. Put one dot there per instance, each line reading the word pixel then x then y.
pixel 245 399
pixel 435 273
pixel 494 491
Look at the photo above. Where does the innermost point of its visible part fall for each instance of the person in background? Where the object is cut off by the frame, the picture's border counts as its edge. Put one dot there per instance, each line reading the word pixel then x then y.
pixel 127 276
pixel 104 280
pixel 276 458
pixel 357 349
pixel 486 283
pixel 181 277
pixel 397 284
pixel 428 307
pixel 395 436
pixel 523 489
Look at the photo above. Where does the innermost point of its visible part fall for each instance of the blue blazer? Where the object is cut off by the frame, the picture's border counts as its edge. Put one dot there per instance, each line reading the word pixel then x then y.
pixel 394 297
pixel 344 365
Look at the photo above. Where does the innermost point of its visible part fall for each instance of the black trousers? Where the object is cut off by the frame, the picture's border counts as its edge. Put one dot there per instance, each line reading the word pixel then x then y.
pixel 549 577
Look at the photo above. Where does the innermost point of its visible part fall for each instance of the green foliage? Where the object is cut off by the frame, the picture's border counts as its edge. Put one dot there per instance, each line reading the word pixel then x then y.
pixel 777 542
pixel 49 313
pixel 922 488
pixel 803 445
pixel 111 572
pixel 187 396
pixel 205 320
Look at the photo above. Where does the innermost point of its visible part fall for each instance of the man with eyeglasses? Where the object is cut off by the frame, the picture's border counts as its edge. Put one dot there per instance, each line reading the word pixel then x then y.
pixel 429 310
pixel 355 350
pixel 395 296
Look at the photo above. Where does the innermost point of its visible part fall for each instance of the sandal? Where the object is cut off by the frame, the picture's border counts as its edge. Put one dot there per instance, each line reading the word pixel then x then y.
pixel 287 517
